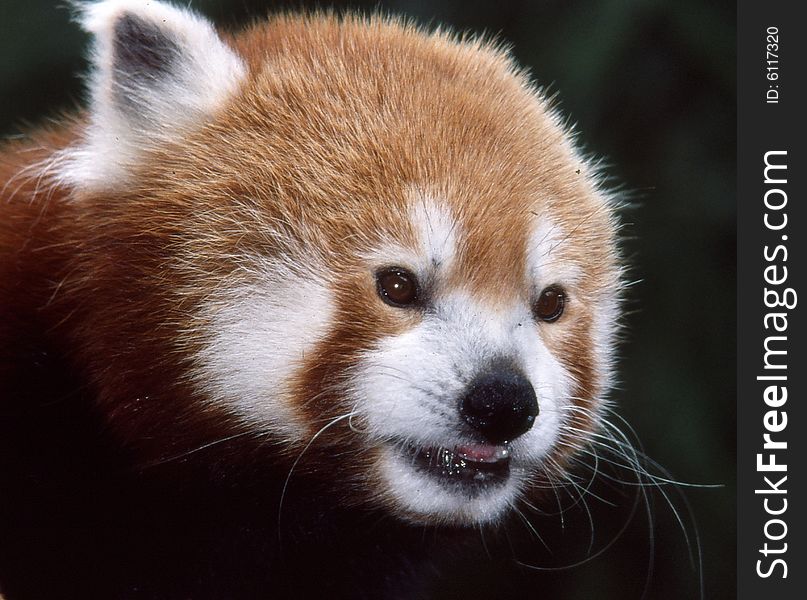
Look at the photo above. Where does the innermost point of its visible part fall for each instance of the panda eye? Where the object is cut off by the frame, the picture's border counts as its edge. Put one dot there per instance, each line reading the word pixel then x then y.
pixel 397 286
pixel 550 304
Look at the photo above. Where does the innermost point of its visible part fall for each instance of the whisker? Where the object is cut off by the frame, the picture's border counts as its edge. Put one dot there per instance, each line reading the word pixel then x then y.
pixel 619 450
pixel 204 447
pixel 329 424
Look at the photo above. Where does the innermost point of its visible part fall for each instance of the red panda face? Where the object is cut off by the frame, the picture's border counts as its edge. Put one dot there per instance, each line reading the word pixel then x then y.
pixel 373 246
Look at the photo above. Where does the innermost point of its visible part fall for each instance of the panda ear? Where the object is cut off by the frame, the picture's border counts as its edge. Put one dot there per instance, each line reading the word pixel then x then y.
pixel 157 72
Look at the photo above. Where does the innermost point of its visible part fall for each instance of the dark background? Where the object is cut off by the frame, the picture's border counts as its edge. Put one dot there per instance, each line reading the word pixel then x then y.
pixel 651 87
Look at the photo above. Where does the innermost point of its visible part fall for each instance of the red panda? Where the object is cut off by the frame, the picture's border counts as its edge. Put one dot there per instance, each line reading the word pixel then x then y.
pixel 277 300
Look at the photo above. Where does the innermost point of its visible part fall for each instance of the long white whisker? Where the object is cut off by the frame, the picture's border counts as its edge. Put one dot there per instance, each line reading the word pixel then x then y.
pixel 329 424
pixel 204 447
pixel 609 445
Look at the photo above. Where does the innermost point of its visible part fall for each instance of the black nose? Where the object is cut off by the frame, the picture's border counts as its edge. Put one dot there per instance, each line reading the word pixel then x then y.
pixel 500 405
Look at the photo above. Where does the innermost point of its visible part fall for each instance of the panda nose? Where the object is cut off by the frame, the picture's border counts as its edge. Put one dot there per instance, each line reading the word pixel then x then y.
pixel 501 405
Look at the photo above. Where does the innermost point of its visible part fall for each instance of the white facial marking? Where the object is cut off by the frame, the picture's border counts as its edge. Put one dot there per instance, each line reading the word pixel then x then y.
pixel 411 386
pixel 436 229
pixel 605 324
pixel 260 335
pixel 547 266
pixel 133 108
pixel 436 234
pixel 544 265
pixel 422 495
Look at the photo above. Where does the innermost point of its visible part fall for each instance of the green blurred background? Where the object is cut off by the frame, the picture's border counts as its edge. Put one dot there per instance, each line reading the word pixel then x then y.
pixel 651 86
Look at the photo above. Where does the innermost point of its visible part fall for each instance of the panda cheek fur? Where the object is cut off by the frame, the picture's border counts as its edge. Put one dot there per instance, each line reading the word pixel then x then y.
pixel 322 389
pixel 202 245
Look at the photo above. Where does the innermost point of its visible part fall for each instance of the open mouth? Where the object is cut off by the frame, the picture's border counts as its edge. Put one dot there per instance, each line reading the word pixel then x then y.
pixel 468 465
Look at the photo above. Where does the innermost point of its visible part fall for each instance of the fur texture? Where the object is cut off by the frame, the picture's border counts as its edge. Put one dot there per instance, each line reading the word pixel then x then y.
pixel 190 272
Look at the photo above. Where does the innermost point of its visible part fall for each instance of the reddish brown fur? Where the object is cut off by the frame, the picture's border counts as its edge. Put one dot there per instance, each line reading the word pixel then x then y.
pixel 338 122
pixel 340 127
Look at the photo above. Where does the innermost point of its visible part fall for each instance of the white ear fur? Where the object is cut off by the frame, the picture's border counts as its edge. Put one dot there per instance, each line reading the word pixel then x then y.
pixel 158 71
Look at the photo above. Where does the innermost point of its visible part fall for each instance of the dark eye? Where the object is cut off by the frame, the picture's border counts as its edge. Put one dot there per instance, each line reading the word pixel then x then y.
pixel 397 286
pixel 550 304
